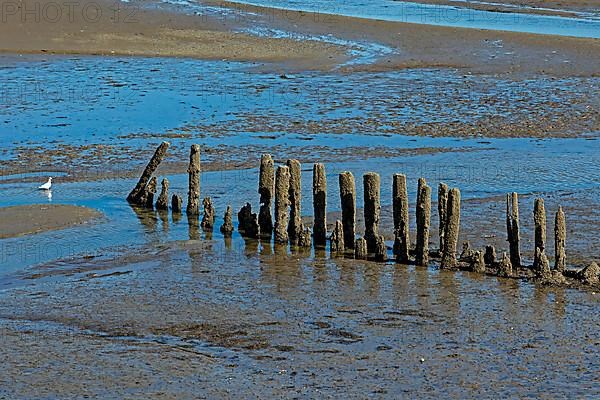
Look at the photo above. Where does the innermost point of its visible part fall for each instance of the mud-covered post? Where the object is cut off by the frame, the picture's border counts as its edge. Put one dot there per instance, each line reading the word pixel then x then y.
pixel 490 255
pixel 478 262
pixel 337 244
pixel 539 218
pixel 423 216
pixel 248 222
pixel 442 213
pixel 319 205
pixel 452 227
pixel 227 227
pixel 266 187
pixel 380 249
pixel 372 209
pixel 360 249
pixel 147 198
pixel 295 226
pixel 137 192
pixel 348 201
pixel 505 267
pixel 163 198
pixel 176 204
pixel 208 219
pixel 282 190
pixel 512 228
pixel 400 211
pixel 560 239
pixel 193 204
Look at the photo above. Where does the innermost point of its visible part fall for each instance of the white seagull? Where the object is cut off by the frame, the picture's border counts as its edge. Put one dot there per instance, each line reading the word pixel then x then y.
pixel 47 185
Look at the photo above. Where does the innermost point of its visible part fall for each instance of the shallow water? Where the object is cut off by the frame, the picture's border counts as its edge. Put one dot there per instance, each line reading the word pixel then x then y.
pixel 441 15
pixel 51 104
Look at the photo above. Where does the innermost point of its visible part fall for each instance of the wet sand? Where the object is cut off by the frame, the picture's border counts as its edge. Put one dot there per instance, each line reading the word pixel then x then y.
pixel 206 319
pixel 152 32
pixel 26 220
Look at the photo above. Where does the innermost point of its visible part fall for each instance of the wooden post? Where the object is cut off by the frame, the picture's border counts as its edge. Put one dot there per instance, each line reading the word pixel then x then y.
pixel 400 211
pixel 319 205
pixel 266 188
pixel 227 227
pixel 295 226
pixel 163 199
pixel 560 239
pixel 539 218
pixel 193 204
pixel 336 245
pixel 208 219
pixel 360 249
pixel 147 198
pixel 176 204
pixel 423 214
pixel 135 195
pixel 248 222
pixel 451 229
pixel 348 201
pixel 512 228
pixel 442 213
pixel 372 209
pixel 282 202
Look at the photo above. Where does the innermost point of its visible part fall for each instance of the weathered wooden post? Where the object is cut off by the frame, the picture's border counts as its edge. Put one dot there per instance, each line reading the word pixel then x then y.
pixel 208 219
pixel 337 245
pixel 478 262
pixel 372 209
pixel 248 222
pixel 348 201
pixel 380 249
pixel 282 190
pixel 193 204
pixel 539 218
pixel 490 255
pixel 319 205
pixel 227 227
pixel 400 211
pixel 505 268
pixel 451 229
pixel 442 211
pixel 147 198
pixel 163 198
pixel 423 216
pixel 560 239
pixel 295 226
pixel 360 249
pixel 305 238
pixel 512 228
pixel 266 187
pixel 176 204
pixel 159 154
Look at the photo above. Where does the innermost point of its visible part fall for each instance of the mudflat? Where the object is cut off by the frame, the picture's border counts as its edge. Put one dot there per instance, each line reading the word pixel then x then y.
pixel 24 220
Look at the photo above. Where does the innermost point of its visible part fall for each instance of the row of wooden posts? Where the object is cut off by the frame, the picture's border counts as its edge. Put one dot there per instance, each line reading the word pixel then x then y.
pixel 282 187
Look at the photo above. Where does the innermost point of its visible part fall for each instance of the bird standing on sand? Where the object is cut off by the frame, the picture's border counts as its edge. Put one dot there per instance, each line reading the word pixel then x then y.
pixel 47 185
